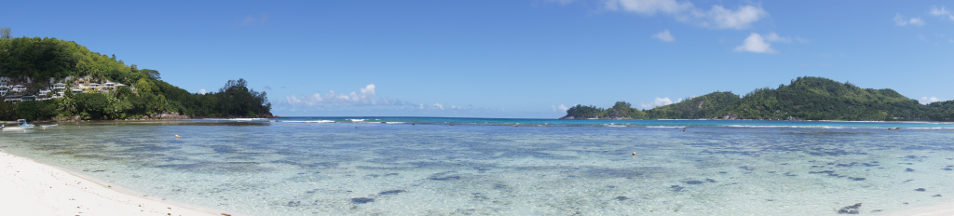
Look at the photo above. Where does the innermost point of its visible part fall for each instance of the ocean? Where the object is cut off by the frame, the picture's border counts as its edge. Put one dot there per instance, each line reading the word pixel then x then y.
pixel 480 166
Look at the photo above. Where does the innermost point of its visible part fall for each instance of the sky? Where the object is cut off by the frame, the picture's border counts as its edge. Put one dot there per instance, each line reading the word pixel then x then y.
pixel 508 58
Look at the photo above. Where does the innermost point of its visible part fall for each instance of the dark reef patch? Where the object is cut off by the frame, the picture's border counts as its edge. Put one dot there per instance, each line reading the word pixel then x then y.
pixel 852 209
pixel 361 200
pixel 391 192
pixel 293 203
pixel 677 188
pixel 444 176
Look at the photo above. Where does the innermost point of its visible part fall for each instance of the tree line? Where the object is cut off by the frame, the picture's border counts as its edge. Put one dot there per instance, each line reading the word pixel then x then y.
pixel 805 98
pixel 144 96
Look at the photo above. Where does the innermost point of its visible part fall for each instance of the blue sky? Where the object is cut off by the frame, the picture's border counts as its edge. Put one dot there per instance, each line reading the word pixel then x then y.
pixel 513 58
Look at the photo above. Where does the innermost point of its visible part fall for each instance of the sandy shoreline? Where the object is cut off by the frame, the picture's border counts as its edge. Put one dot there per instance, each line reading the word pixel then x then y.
pixel 32 188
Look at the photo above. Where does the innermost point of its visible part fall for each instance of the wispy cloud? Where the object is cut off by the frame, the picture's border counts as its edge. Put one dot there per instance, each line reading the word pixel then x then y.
pixel 756 43
pixel 716 17
pixel 903 21
pixel 255 20
pixel 928 100
pixel 665 36
pixel 560 108
pixel 561 2
pixel 363 97
pixel 659 101
pixel 941 12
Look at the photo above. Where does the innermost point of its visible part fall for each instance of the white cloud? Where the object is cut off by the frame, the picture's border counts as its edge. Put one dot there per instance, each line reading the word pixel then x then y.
pixel 561 2
pixel 927 100
pixel 649 7
pixel 716 17
pixel 665 36
pixel 255 20
pixel 364 96
pixel 559 108
pixel 773 37
pixel 941 12
pixel 203 91
pixel 755 43
pixel 739 19
pixel 438 106
pixel 659 102
pixel 902 21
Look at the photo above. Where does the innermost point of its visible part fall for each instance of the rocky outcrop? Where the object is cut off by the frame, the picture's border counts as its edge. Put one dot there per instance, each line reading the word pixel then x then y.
pixel 728 116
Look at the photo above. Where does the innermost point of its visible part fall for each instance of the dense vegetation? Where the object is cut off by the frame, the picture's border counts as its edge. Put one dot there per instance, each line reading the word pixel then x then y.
pixel 805 98
pixel 38 61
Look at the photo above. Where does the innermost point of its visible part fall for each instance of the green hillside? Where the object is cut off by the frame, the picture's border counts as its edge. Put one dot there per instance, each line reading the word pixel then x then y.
pixel 36 64
pixel 805 98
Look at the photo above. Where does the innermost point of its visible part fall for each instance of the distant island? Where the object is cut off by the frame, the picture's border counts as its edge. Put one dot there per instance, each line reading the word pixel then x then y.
pixel 805 98
pixel 52 79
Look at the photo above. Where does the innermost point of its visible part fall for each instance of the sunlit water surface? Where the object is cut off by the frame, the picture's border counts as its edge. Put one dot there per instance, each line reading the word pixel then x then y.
pixel 436 166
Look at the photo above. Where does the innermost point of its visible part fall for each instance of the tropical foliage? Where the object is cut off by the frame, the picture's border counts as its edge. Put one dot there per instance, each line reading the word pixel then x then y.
pixel 805 98
pixel 145 96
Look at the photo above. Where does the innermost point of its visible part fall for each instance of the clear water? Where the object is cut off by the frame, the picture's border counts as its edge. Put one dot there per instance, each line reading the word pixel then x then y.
pixel 461 166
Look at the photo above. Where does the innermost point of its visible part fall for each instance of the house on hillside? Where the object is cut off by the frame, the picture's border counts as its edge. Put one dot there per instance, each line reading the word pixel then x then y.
pixel 59 86
pixel 45 91
pixel 93 87
pixel 109 86
pixel 18 88
pixel 12 98
pixel 4 90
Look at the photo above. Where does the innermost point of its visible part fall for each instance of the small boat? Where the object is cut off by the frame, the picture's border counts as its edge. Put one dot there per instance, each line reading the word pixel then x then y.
pixel 22 126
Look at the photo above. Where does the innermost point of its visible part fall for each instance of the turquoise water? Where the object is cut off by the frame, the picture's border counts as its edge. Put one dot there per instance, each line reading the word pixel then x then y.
pixel 469 166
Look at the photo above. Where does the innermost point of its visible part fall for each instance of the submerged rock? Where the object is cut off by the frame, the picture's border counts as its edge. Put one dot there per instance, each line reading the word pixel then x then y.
pixel 852 209
pixel 693 182
pixel 621 198
pixel 920 190
pixel 908 170
pixel 391 192
pixel 361 200
pixel 293 203
pixel 676 188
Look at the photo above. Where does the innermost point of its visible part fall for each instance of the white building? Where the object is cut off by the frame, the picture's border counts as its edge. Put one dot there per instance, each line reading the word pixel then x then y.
pixel 59 86
pixel 18 88
pixel 93 87
pixel 12 98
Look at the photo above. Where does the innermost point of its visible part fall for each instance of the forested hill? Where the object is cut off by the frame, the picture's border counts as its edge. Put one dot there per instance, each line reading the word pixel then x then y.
pixel 48 78
pixel 805 98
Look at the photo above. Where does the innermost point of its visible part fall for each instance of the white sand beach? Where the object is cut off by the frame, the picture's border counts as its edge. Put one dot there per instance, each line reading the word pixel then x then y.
pixel 32 188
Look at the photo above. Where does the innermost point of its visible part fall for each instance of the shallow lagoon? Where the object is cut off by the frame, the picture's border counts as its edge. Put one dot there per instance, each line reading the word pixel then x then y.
pixel 480 166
